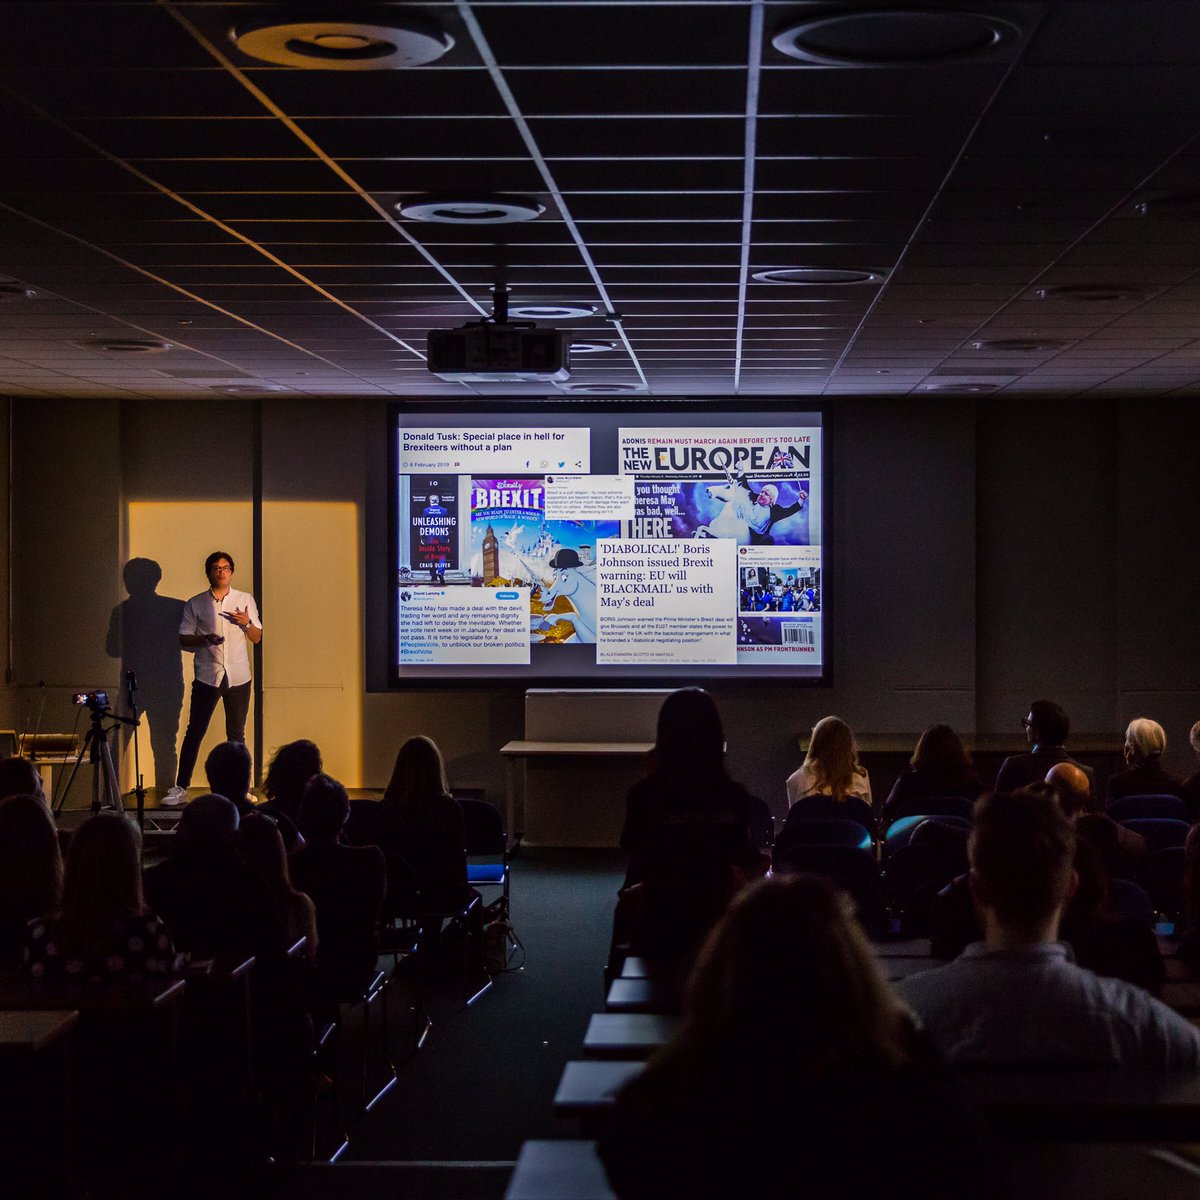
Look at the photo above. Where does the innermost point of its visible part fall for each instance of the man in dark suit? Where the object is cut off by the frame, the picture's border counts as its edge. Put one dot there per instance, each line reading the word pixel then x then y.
pixel 1046 728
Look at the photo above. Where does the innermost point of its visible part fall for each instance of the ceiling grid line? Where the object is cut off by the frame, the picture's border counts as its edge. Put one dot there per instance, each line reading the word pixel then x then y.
pixel 1012 68
pixel 290 124
pixel 749 160
pixel 167 283
pixel 485 52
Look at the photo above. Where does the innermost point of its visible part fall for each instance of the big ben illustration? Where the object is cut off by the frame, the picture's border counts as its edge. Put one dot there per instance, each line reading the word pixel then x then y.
pixel 491 557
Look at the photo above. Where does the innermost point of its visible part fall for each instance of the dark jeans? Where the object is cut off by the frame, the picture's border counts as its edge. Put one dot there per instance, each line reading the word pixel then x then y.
pixel 204 703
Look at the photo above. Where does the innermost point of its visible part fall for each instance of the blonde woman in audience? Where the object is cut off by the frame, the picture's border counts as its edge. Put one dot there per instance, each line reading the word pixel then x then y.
pixel 831 766
pixel 792 1047
pixel 102 933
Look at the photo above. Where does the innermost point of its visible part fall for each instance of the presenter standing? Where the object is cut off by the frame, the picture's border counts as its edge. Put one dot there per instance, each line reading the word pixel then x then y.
pixel 217 625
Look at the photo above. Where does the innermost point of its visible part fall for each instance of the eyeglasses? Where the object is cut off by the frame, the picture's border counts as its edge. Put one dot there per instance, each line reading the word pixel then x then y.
pixel 218 567
pixel 1026 723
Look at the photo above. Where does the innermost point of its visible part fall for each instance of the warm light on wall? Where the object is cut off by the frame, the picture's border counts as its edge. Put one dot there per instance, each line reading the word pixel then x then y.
pixel 312 618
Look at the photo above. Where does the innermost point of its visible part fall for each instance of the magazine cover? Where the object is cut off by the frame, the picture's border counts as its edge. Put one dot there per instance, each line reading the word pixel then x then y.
pixel 512 544
pixel 752 485
pixel 433 526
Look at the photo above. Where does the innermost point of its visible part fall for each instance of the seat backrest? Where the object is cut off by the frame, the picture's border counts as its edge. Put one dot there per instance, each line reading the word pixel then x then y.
pixel 1129 808
pixel 900 832
pixel 1161 874
pixel 485 827
pixel 1161 833
pixel 1129 901
pixel 842 864
pixel 817 831
pixel 929 806
pixel 762 823
pixel 853 808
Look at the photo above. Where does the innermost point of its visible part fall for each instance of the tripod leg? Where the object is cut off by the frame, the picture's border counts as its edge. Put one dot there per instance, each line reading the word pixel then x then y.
pixel 112 787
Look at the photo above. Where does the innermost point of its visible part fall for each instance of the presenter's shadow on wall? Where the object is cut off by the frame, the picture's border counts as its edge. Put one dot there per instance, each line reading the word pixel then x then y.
pixel 143 633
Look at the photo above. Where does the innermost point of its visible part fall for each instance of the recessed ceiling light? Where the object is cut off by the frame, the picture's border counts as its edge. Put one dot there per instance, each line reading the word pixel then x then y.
pixel 972 389
pixel 887 37
pixel 818 275
pixel 592 347
pixel 15 291
pixel 552 312
pixel 470 210
pixel 1025 345
pixel 127 345
pixel 1091 292
pixel 342 43
pixel 1170 205
pixel 248 389
pixel 602 389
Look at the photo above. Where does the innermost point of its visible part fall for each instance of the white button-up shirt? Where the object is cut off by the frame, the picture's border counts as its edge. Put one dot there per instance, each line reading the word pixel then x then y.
pixel 230 659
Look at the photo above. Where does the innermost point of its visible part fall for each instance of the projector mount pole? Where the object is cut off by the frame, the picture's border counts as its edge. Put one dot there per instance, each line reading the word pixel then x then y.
pixel 500 292
pixel 500 304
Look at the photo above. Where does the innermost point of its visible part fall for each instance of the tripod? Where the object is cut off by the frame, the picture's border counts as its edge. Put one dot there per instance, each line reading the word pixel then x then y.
pixel 106 792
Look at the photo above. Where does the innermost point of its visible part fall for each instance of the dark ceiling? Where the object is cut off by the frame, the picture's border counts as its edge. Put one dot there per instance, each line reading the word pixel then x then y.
pixel 160 184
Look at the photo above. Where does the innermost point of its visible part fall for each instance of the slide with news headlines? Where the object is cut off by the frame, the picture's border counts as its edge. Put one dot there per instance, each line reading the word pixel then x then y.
pixel 650 549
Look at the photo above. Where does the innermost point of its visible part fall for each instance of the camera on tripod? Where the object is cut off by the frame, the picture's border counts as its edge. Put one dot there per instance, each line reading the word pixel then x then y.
pixel 96 701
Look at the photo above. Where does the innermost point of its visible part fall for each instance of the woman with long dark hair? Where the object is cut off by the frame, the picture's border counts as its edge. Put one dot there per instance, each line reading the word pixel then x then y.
pixel 687 834
pixel 796 1069
pixel 103 932
pixel 421 828
pixel 940 766
pixel 688 795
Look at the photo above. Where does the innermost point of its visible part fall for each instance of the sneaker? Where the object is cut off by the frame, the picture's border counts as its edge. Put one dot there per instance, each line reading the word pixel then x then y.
pixel 175 797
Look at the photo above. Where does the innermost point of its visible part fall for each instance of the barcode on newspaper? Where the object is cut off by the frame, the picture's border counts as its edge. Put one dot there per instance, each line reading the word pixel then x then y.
pixel 802 635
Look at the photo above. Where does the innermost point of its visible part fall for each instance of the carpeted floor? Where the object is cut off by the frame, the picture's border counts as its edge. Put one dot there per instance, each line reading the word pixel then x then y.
pixel 485 1078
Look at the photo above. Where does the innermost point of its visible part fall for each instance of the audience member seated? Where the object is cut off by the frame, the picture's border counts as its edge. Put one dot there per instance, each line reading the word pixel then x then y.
pixel 1191 785
pixel 1189 948
pixel 260 845
pixel 20 777
pixel 687 832
pixel 1046 730
pixel 1145 741
pixel 228 768
pixel 831 766
pixel 212 904
pixel 1017 998
pixel 687 808
pixel 1119 850
pixel 795 1071
pixel 419 827
pixel 291 767
pixel 1103 938
pixel 31 871
pixel 103 932
pixel 347 885
pixel 940 766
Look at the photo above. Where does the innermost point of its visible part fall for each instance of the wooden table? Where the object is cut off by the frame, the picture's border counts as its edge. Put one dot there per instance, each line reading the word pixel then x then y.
pixel 1023 1104
pixel 627 1035
pixel 644 996
pixel 571 1170
pixel 127 1048
pixel 518 753
pixel 39 1133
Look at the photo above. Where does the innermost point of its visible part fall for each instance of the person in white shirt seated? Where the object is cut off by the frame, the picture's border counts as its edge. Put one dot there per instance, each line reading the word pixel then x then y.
pixel 831 767
pixel 1017 998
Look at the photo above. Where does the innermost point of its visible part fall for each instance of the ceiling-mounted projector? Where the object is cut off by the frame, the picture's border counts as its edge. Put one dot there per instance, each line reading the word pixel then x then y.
pixel 496 350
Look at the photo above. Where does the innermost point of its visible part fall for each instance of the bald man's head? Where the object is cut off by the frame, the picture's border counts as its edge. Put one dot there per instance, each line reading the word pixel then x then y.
pixel 1072 787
